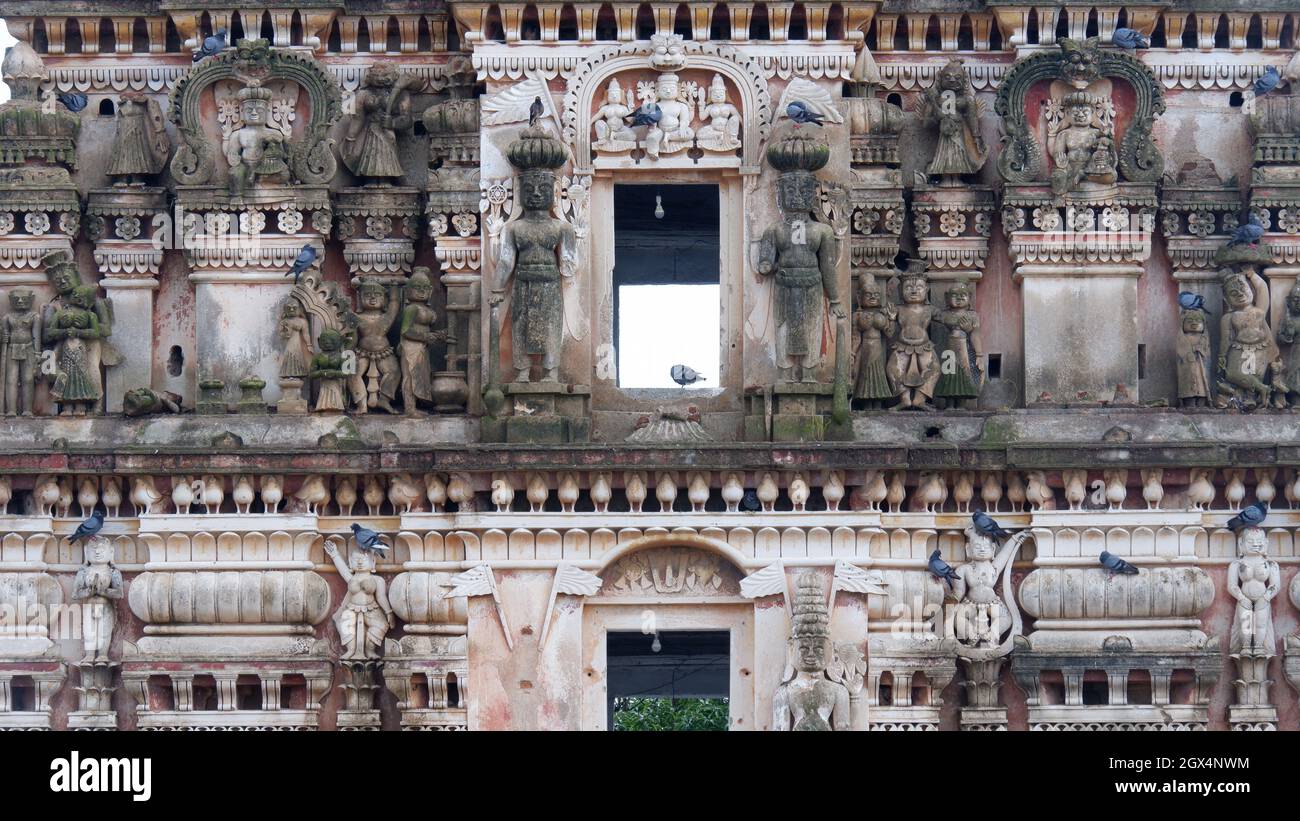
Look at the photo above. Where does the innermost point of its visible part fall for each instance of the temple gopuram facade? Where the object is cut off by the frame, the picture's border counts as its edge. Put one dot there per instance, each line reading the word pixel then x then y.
pixel 320 325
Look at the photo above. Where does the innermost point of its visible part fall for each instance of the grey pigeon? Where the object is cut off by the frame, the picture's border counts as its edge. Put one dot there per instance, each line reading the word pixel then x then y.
pixel 1189 301
pixel 535 111
pixel 942 570
pixel 685 375
pixel 73 101
pixel 1267 81
pixel 1249 517
pixel 800 113
pixel 302 262
pixel 1248 234
pixel 211 45
pixel 88 528
pixel 368 539
pixel 984 524
pixel 1115 564
pixel 648 114
pixel 750 503
pixel 1129 39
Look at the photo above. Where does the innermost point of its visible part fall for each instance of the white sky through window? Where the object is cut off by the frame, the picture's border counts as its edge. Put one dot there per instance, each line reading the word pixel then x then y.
pixel 664 325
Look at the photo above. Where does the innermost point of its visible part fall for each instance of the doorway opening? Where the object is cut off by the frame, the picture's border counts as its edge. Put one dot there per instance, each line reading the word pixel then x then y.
pixel 670 680
pixel 667 285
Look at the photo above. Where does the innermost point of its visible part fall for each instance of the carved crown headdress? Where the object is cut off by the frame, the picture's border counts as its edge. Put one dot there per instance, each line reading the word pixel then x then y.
pixel 915 269
pixel 811 617
pixel 798 152
pixel 536 149
pixel 254 91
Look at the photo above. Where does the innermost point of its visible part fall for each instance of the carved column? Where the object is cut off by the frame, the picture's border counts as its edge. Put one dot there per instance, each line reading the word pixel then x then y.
pixel 31 670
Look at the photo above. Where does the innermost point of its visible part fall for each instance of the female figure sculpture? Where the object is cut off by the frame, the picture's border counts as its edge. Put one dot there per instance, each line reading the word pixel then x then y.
pixel 1247 351
pixel 963 351
pixel 383 107
pixel 98 584
pixel 1193 359
pixel 77 386
pixel 875 321
pixel 365 616
pixel 417 335
pixel 951 104
pixel 1253 580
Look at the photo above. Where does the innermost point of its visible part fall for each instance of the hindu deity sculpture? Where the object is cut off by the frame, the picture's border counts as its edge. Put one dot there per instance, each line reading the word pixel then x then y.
pixel 417 335
pixel 673 132
pixel 1081 140
pixel 365 616
pixel 961 362
pixel 255 149
pixel 96 348
pixel 874 322
pixel 1288 333
pixel 721 120
pixel 141 146
pixel 98 584
pixel 1247 351
pixel 801 255
pixel 20 350
pixel 1193 351
pixel 536 251
pixel 329 373
pixel 146 401
pixel 77 386
pixel 1253 580
pixel 295 335
pixel 807 698
pixel 984 620
pixel 913 366
pixel 612 131
pixel 951 105
pixel 383 107
pixel 378 374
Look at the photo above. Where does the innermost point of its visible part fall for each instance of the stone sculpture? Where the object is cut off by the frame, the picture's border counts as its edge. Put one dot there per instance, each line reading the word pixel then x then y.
pixel 1193 352
pixel 1081 141
pixel 1247 351
pixel 721 120
pixel 1288 333
pixel 74 332
pixel 1254 580
pixel 378 374
pixel 612 131
pixel 329 372
pixel 98 584
pixel 417 335
pixel 295 334
pixel 913 366
pixel 808 699
pixel 874 322
pixel 141 147
pixel 383 107
pixel 535 252
pixel 963 353
pixel 255 148
pixel 365 616
pixel 145 401
pixel 801 255
pixel 951 105
pixel 21 352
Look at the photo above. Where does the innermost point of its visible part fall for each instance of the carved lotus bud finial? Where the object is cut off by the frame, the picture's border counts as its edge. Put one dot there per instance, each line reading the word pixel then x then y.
pixel 536 148
pixel 798 151
pixel 811 618
pixel 22 63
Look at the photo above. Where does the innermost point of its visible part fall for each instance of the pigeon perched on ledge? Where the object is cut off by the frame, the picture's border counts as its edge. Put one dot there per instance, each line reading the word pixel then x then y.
pixel 73 101
pixel 1249 233
pixel 368 539
pixel 211 45
pixel 302 262
pixel 648 115
pixel 1251 516
pixel 985 524
pixel 1129 39
pixel 1189 301
pixel 800 113
pixel 1115 564
pixel 1269 80
pixel 942 570
pixel 685 375
pixel 88 528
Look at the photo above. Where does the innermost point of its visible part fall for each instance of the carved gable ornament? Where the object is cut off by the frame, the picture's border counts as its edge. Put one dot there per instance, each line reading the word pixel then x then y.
pixel 301 101
pixel 668 101
pixel 1046 96
pixel 671 571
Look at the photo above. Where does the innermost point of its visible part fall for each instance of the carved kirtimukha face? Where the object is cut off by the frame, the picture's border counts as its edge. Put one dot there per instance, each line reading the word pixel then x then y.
pixel 1237 292
pixel 20 301
pixel 811 651
pixel 915 290
pixel 538 190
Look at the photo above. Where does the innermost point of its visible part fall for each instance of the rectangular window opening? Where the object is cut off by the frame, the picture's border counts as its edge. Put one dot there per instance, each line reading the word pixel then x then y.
pixel 667 286
pixel 995 366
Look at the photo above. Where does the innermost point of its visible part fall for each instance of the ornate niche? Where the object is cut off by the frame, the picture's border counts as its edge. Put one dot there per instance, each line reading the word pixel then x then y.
pixel 1079 208
pixel 254 124
pixel 671 571
pixel 668 101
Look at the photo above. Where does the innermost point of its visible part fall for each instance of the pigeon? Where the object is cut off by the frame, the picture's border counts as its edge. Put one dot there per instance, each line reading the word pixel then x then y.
pixel 685 375
pixel 211 45
pixel 368 539
pixel 648 114
pixel 942 570
pixel 1189 301
pixel 1249 233
pixel 1115 564
pixel 74 101
pixel 1129 39
pixel 1267 81
pixel 303 261
pixel 535 111
pixel 800 113
pixel 750 503
pixel 1249 516
pixel 984 524
pixel 88 528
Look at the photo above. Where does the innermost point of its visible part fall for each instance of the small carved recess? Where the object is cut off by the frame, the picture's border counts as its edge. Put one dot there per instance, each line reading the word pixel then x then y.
pixel 671 571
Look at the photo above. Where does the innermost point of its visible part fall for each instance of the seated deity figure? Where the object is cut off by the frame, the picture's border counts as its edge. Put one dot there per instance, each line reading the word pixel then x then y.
pixel 255 149
pixel 1254 581
pixel 1082 145
pixel 807 698
pixel 721 128
pixel 1247 350
pixel 98 583
pixel 612 131
pixel 365 616
pixel 673 132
